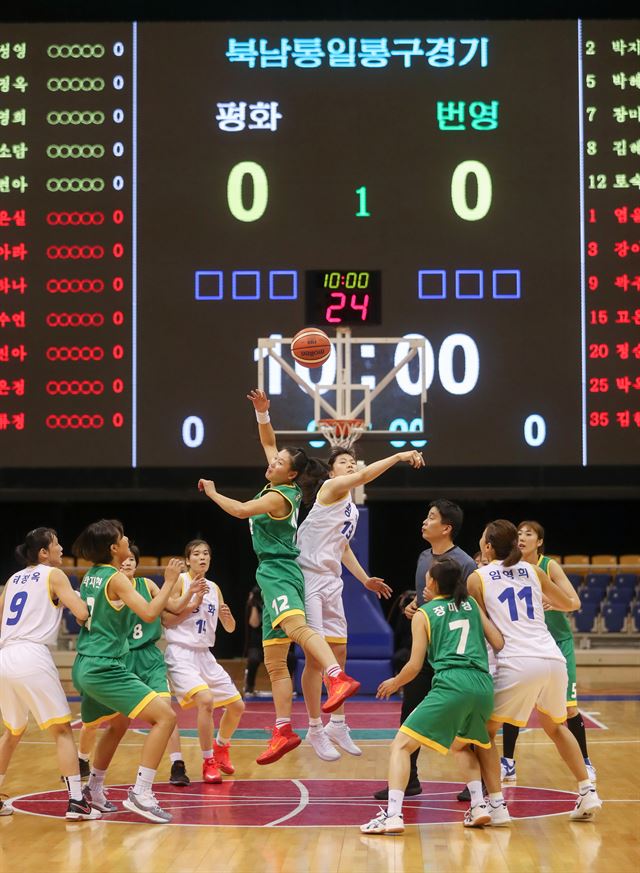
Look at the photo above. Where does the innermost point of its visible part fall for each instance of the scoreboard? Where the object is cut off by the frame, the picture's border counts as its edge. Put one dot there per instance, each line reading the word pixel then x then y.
pixel 170 192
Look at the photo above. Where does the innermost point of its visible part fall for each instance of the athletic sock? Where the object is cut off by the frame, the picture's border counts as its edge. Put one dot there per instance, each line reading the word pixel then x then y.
pixel 475 790
pixel 96 780
pixel 74 787
pixel 207 753
pixel 175 756
pixel 333 670
pixel 496 799
pixel 576 726
pixel 509 737
pixel 84 756
pixel 337 719
pixel 315 724
pixel 281 722
pixel 222 741
pixel 144 782
pixel 584 786
pixel 394 805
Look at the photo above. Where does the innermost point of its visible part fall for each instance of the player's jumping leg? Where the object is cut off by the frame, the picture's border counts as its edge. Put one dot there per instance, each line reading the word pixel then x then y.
pixel 338 729
pixel 317 736
pixel 283 738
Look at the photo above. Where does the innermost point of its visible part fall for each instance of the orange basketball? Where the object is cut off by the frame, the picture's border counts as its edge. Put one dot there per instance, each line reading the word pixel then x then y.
pixel 311 347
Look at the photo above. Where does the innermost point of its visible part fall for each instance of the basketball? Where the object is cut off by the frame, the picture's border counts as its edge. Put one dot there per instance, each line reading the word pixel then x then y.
pixel 311 347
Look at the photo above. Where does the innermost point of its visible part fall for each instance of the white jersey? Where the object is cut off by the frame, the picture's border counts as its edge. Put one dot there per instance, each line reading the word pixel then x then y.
pixel 29 613
pixel 323 535
pixel 513 598
pixel 198 631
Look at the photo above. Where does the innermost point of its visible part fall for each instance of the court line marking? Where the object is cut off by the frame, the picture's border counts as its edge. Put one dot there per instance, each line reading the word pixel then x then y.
pixel 302 803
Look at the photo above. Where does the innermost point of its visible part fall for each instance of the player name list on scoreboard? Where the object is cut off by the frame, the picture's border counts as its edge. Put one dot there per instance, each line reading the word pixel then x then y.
pixel 65 241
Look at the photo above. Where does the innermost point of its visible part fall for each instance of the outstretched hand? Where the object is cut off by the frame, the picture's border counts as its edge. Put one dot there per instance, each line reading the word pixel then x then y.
pixel 387 688
pixel 413 458
pixel 259 399
pixel 378 586
pixel 208 486
pixel 173 570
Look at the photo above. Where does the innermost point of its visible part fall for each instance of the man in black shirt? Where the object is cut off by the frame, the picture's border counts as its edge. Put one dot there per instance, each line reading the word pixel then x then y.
pixel 440 528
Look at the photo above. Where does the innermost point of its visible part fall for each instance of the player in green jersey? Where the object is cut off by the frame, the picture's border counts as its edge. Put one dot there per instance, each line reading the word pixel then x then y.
pixel 530 543
pixel 450 628
pixel 147 662
pixel 273 517
pixel 100 673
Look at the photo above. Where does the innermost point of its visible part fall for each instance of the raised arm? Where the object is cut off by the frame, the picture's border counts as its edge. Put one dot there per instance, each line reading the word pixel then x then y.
pixel 419 646
pixel 120 588
pixel 267 435
pixel 371 583
pixel 557 596
pixel 272 502
pixel 61 588
pixel 334 489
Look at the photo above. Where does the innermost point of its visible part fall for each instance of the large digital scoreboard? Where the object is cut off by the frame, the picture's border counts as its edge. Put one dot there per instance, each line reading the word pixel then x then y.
pixel 170 192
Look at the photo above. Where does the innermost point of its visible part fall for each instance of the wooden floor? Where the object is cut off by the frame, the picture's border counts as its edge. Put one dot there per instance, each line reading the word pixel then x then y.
pixel 610 845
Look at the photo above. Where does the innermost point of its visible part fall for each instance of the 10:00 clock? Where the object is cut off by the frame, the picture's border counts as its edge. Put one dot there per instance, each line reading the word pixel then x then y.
pixel 345 297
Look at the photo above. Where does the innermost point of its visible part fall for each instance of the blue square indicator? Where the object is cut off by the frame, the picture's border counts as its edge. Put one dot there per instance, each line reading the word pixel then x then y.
pixel 208 285
pixel 283 284
pixel 245 285
pixel 469 284
pixel 506 285
pixel 432 284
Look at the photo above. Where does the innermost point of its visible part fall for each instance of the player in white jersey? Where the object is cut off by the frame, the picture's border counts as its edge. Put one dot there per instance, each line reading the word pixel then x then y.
pixel 31 608
pixel 195 676
pixel 323 539
pixel 531 670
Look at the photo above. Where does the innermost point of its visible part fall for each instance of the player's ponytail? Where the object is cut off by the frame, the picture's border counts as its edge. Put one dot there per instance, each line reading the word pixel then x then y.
pixel 310 473
pixel 503 537
pixel 447 575
pixel 39 538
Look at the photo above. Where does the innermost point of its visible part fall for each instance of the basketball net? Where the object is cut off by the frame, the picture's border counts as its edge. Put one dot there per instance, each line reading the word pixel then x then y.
pixel 341 431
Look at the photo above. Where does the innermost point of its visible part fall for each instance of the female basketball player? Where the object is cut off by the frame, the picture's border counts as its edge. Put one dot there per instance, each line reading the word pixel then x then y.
pixel 530 542
pixel 31 608
pixel 147 662
pixel 273 517
pixel 323 540
pixel 195 675
pixel 531 668
pixel 109 689
pixel 451 628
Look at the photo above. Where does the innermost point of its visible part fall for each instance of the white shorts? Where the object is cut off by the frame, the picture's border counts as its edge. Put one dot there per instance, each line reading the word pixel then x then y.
pixel 523 683
pixel 193 670
pixel 323 606
pixel 29 682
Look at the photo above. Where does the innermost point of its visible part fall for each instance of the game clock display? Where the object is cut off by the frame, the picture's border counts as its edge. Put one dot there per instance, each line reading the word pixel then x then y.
pixel 343 298
pixel 171 192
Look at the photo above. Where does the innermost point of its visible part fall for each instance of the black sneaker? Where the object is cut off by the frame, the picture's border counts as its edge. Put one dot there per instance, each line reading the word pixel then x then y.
pixel 85 768
pixel 179 774
pixel 412 789
pixel 81 810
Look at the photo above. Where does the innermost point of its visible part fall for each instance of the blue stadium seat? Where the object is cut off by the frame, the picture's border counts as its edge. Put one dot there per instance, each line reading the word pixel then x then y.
pixel 626 580
pixel 75 581
pixel 575 579
pixel 613 616
pixel 635 612
pixel 621 595
pixel 592 596
pixel 601 581
pixel 70 624
pixel 585 618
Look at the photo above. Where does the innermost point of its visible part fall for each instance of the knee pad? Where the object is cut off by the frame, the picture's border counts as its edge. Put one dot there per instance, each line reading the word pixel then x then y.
pixel 297 631
pixel 275 660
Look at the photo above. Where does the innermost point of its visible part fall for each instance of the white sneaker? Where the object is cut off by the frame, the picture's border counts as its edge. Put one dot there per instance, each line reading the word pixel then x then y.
pixel 499 815
pixel 477 816
pixel 507 770
pixel 338 732
pixel 147 806
pixel 591 773
pixel 322 745
pixel 586 806
pixel 384 824
pixel 5 806
pixel 98 800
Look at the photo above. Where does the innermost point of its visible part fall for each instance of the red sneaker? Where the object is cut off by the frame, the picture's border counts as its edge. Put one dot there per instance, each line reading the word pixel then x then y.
pixel 338 688
pixel 283 740
pixel 221 755
pixel 210 772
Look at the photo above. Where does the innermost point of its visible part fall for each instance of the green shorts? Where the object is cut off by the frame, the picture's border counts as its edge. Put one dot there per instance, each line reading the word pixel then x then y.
pixel 282 585
pixel 458 706
pixel 148 664
pixel 567 648
pixel 108 688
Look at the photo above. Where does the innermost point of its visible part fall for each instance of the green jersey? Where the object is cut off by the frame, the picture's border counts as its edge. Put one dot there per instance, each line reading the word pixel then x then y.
pixel 455 634
pixel 276 537
pixel 143 632
pixel 556 621
pixel 107 628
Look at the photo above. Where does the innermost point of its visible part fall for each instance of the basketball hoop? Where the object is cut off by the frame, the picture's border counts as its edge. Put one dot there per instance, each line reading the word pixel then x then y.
pixel 341 431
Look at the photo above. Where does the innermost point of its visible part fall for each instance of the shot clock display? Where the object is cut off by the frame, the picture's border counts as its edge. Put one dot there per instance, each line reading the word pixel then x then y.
pixel 170 192
pixel 343 297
